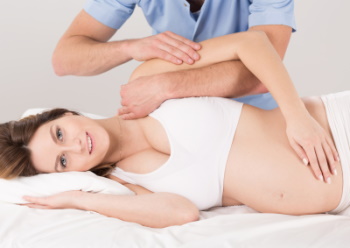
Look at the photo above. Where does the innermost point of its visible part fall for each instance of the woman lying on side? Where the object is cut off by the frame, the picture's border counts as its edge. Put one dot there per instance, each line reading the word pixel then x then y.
pixel 195 153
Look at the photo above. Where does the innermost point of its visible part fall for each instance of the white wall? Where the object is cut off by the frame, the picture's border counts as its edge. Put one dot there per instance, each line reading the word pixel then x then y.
pixel 317 57
pixel 319 52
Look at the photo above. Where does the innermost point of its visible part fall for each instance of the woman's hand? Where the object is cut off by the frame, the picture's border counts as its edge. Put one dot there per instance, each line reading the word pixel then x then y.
pixel 68 199
pixel 314 146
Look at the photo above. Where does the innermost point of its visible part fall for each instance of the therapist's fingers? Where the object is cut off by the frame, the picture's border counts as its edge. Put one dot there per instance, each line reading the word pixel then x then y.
pixel 191 43
pixel 126 114
pixel 167 46
pixel 123 110
pixel 129 116
pixel 169 55
pixel 173 54
pixel 133 112
pixel 181 47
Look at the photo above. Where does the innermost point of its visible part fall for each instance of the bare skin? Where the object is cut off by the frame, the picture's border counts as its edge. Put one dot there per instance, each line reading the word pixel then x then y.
pixel 86 48
pixel 260 147
pixel 263 170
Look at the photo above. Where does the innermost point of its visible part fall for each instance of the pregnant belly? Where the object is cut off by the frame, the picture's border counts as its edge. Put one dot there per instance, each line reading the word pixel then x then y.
pixel 264 172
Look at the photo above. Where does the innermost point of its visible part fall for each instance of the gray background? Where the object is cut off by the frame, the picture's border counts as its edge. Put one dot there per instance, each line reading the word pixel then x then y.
pixel 317 57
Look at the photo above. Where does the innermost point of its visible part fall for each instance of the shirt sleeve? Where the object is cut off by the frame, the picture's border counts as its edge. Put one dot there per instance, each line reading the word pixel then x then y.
pixel 112 13
pixel 275 12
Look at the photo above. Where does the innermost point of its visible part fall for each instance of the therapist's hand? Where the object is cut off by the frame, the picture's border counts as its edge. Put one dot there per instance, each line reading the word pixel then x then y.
pixel 314 146
pixel 142 96
pixel 167 46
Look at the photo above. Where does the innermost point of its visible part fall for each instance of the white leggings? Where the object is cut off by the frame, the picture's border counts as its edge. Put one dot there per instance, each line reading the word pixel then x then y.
pixel 338 113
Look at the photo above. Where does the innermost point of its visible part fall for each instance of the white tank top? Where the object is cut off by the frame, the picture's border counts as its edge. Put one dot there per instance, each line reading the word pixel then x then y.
pixel 200 131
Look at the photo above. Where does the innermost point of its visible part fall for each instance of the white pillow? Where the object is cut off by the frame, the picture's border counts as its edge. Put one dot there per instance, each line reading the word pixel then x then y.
pixel 13 190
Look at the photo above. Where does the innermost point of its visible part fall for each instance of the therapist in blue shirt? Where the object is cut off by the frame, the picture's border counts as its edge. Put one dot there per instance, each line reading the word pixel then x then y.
pixel 86 49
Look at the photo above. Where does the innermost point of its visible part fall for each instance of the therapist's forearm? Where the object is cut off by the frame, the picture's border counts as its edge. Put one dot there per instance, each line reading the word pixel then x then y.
pixel 225 79
pixel 83 56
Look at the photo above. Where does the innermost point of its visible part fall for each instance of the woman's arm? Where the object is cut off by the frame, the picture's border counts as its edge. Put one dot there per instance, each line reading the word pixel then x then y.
pixel 256 52
pixel 213 51
pixel 254 49
pixel 156 210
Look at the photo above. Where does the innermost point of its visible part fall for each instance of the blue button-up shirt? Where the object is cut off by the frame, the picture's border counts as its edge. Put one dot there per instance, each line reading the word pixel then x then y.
pixel 216 18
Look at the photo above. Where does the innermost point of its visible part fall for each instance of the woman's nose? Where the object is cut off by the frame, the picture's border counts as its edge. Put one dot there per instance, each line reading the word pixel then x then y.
pixel 76 145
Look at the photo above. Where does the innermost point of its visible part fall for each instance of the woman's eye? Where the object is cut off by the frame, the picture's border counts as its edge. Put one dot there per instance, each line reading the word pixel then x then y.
pixel 59 134
pixel 63 161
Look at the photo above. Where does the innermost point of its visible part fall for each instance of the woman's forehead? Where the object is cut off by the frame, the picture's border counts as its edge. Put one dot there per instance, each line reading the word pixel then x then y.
pixel 42 148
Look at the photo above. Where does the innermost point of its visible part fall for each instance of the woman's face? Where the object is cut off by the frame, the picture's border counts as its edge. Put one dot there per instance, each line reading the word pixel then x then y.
pixel 70 143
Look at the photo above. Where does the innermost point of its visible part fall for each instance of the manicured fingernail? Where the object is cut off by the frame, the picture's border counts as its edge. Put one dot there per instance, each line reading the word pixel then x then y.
pixel 197 46
pixel 190 61
pixel 320 177
pixel 196 56
pixel 305 161
pixel 329 180
pixel 179 61
pixel 335 172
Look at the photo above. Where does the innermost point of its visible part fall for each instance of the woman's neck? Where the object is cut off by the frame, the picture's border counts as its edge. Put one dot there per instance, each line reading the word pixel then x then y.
pixel 126 138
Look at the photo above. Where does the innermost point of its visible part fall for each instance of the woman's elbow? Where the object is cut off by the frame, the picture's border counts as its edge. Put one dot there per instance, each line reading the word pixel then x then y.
pixel 190 215
pixel 184 212
pixel 176 218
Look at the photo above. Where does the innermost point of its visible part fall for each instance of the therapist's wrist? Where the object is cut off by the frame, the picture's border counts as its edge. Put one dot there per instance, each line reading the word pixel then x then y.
pixel 168 83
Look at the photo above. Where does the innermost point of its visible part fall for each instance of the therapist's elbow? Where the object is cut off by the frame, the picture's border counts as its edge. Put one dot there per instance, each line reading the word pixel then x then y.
pixel 261 89
pixel 254 86
pixel 58 65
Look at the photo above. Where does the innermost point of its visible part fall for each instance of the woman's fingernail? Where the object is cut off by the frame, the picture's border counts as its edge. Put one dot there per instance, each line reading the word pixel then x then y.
pixel 190 61
pixel 329 180
pixel 320 177
pixel 196 56
pixel 305 161
pixel 335 172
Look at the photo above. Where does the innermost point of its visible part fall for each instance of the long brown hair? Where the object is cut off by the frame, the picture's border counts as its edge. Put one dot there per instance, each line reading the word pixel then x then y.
pixel 15 156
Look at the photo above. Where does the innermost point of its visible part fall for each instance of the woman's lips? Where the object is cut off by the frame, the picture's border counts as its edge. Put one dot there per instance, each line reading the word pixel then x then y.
pixel 90 143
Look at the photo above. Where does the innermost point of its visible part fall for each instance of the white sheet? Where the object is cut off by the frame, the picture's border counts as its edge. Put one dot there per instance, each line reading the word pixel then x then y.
pixel 237 226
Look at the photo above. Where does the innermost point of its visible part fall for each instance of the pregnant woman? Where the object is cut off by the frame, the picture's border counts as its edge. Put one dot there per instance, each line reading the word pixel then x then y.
pixel 195 153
